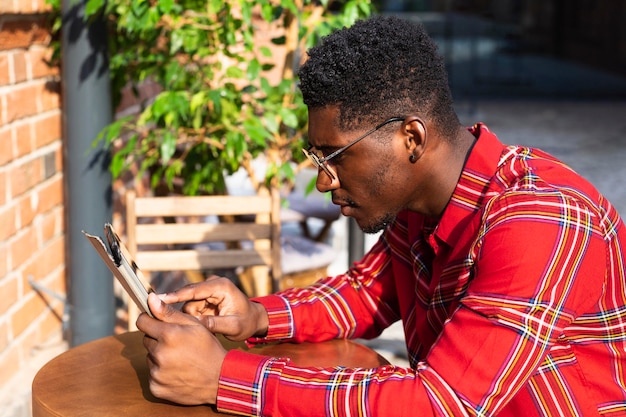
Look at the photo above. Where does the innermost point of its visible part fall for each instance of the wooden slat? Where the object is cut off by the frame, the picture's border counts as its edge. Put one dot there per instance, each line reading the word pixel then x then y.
pixel 131 222
pixel 179 260
pixel 200 232
pixel 201 205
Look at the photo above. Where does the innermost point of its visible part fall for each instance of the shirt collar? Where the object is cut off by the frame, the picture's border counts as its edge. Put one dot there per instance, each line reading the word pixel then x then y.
pixel 473 186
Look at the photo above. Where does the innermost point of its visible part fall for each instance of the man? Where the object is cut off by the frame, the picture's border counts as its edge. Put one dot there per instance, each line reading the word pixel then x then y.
pixel 505 267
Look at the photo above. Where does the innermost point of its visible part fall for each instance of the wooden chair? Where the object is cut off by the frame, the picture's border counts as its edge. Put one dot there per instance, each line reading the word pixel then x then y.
pixel 170 234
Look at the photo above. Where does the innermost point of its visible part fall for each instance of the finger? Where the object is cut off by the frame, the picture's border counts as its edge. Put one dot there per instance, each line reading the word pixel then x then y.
pixel 192 292
pixel 166 313
pixel 148 325
pixel 196 308
pixel 151 362
pixel 149 343
pixel 227 325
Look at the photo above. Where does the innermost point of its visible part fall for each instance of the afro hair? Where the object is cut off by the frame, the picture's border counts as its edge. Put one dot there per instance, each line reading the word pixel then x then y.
pixel 379 68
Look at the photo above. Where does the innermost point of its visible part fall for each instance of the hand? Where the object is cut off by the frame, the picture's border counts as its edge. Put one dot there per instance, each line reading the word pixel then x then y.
pixel 222 308
pixel 184 358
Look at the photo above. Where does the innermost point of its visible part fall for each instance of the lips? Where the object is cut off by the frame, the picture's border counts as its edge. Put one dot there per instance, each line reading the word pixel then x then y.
pixel 343 204
pixel 345 210
pixel 347 207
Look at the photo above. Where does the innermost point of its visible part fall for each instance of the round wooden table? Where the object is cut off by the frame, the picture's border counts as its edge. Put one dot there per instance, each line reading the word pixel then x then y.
pixel 109 376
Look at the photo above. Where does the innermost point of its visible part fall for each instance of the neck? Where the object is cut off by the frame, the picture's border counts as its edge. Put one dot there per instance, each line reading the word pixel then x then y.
pixel 447 162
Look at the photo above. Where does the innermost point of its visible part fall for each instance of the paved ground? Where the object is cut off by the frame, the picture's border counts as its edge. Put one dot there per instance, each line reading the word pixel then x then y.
pixel 589 135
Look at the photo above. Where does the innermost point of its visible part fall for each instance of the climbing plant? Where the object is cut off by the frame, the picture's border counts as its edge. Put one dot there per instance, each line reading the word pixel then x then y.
pixel 225 71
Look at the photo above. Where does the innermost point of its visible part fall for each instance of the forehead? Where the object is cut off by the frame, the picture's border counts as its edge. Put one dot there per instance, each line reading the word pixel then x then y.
pixel 323 128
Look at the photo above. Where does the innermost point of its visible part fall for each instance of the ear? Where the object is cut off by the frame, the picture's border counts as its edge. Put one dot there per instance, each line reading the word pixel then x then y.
pixel 415 136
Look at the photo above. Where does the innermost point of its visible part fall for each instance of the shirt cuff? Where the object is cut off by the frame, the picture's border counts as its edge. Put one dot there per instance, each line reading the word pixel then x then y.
pixel 281 326
pixel 245 384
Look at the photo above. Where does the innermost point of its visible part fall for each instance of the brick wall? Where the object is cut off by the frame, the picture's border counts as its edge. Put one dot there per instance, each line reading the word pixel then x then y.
pixel 31 187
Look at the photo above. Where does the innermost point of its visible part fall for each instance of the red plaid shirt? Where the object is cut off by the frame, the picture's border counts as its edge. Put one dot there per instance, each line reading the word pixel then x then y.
pixel 513 304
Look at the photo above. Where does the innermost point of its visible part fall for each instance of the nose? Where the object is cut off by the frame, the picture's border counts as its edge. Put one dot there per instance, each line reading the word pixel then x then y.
pixel 325 182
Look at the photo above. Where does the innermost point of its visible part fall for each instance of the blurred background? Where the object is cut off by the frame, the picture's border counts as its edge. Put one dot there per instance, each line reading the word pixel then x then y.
pixel 544 73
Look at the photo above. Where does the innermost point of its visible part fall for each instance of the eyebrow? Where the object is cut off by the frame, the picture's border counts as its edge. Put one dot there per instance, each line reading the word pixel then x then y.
pixel 325 149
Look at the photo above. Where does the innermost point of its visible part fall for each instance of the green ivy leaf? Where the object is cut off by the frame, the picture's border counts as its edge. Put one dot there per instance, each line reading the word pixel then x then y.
pixel 350 13
pixel 257 133
pixel 159 106
pixel 168 146
pixel 267 12
pixel 191 40
pixel 165 6
pixel 366 8
pixel 234 72
pixel 197 119
pixel 271 123
pixel 216 98
pixel 111 132
pixel 117 165
pixel 246 11
pixel 214 6
pixel 289 117
pixel 118 162
pixel 254 69
pixel 177 39
pixel 93 6
pixel 289 5
pixel 286 171
pixel 265 51
pixel 172 171
pixel 266 87
pixel 311 185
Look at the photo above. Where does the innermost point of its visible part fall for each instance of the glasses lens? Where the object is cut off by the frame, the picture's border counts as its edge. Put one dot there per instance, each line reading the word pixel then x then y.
pixel 315 160
pixel 312 157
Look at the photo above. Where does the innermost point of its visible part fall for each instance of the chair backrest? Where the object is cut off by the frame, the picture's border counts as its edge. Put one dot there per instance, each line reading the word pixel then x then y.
pixel 175 244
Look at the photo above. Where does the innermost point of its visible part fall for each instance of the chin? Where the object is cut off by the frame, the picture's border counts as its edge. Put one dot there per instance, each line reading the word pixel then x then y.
pixel 378 224
pixel 372 230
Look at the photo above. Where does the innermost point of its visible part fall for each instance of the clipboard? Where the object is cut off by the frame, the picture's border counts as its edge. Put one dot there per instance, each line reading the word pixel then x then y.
pixel 118 260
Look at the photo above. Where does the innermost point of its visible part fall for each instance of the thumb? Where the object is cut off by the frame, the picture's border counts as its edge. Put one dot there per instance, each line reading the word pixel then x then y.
pixel 166 313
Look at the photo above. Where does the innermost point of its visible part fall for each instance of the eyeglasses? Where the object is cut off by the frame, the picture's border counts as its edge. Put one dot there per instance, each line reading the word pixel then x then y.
pixel 322 162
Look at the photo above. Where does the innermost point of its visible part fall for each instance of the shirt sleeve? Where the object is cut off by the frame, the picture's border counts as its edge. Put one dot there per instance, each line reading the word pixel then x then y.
pixel 358 304
pixel 257 385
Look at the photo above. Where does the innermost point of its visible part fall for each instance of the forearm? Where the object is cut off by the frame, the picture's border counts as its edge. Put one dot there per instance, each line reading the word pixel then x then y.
pixel 256 385
pixel 360 303
pixel 338 307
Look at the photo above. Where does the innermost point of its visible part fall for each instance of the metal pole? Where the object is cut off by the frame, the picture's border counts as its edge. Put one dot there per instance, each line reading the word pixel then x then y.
pixel 86 110
pixel 356 242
